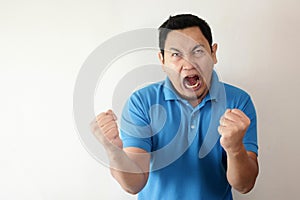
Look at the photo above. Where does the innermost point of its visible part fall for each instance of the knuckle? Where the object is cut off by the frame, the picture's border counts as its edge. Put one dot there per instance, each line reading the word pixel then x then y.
pixel 244 124
pixel 220 129
pixel 235 110
pixel 248 121
pixel 101 115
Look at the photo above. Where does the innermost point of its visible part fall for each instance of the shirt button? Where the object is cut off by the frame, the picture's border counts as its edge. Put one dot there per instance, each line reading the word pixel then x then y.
pixel 192 127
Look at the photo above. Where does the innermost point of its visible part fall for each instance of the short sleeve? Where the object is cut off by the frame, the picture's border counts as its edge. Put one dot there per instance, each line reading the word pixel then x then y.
pixel 250 138
pixel 135 130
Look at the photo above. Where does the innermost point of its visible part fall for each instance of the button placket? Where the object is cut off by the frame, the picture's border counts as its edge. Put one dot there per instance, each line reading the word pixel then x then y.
pixel 192 127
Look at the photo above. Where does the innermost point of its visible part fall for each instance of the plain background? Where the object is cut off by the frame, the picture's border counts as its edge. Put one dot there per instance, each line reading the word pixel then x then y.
pixel 44 43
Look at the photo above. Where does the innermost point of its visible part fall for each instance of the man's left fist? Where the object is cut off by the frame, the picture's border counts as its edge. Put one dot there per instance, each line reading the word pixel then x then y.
pixel 233 126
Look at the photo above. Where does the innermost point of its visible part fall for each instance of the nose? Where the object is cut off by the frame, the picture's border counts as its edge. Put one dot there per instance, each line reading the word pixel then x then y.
pixel 186 64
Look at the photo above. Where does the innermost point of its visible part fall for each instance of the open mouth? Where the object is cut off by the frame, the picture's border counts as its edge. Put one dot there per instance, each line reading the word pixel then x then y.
pixel 192 82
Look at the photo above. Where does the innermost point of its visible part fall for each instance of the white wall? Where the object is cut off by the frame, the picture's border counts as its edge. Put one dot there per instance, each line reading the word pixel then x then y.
pixel 44 43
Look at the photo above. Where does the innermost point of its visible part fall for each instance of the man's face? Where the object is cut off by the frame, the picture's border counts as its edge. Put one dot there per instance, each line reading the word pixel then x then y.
pixel 188 62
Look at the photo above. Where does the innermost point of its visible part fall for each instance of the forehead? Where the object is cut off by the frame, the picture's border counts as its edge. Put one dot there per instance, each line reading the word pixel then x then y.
pixel 185 38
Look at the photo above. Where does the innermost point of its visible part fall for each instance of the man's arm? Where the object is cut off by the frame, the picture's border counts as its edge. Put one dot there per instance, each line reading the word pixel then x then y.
pixel 129 166
pixel 242 166
pixel 242 170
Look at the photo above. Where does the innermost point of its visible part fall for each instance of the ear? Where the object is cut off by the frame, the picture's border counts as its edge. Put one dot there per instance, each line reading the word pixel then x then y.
pixel 214 53
pixel 161 58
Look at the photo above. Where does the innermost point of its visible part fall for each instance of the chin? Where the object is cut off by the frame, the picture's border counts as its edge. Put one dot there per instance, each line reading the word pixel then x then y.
pixel 190 97
pixel 197 95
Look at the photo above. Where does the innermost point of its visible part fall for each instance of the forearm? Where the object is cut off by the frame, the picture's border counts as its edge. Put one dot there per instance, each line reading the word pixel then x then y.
pixel 129 175
pixel 242 170
pixel 128 166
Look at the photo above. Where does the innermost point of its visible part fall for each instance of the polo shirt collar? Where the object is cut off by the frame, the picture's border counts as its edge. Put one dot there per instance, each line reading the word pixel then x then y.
pixel 169 91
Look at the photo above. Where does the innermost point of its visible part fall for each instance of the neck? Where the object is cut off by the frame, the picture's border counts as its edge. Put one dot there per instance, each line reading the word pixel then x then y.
pixel 196 102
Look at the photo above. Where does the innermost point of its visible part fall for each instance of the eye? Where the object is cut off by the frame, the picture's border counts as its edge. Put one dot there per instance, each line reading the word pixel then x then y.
pixel 199 51
pixel 175 54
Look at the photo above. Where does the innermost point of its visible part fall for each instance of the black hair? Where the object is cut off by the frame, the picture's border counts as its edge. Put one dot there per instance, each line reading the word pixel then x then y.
pixel 183 21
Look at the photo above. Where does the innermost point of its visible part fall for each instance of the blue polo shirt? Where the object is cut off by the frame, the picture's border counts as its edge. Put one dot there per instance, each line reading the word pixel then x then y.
pixel 187 160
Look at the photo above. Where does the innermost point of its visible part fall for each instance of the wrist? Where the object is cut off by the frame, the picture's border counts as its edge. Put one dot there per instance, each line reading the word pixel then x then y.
pixel 236 151
pixel 113 150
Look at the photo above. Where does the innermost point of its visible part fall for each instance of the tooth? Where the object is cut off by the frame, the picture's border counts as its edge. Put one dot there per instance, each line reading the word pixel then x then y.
pixel 193 86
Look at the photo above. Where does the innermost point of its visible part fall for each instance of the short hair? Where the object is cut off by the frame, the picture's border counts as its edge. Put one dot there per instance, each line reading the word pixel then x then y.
pixel 183 21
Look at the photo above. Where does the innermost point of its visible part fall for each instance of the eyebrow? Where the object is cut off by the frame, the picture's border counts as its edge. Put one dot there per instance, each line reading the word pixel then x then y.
pixel 195 47
pixel 174 49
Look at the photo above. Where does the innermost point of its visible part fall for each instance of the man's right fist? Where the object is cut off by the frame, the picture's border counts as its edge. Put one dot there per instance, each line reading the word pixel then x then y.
pixel 105 128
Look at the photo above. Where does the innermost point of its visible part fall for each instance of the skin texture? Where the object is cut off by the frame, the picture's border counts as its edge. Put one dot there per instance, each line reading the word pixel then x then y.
pixel 187 53
pixel 242 165
pixel 129 166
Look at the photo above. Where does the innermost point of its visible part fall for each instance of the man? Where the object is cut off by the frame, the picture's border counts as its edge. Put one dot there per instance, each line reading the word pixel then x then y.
pixel 164 125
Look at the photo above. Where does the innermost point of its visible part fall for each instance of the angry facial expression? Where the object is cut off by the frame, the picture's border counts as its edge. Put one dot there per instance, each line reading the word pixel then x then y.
pixel 188 61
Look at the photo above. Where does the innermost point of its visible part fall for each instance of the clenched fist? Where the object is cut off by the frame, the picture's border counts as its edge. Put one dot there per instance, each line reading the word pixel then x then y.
pixel 233 126
pixel 105 128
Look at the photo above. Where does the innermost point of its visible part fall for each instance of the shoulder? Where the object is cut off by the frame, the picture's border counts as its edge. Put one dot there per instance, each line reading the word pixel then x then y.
pixel 237 97
pixel 149 91
pixel 235 92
